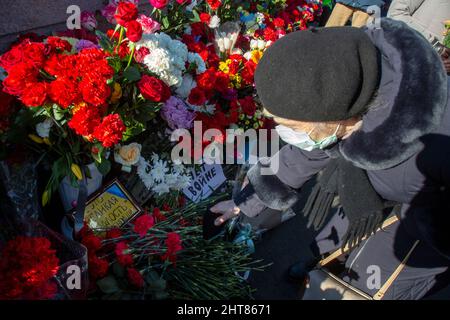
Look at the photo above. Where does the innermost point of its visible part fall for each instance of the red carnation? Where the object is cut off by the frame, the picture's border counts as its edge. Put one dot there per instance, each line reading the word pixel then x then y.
pixel 143 224
pixel 27 266
pixel 35 94
pixel 110 131
pixel 19 77
pixel 158 215
pixel 92 243
pixel 64 91
pixel 34 54
pixel 214 4
pixel 95 91
pixel 207 79
pixel 126 11
pixel 11 58
pixel 84 121
pixel 173 243
pixel 98 268
pixel 222 83
pixel 248 72
pixel 153 89
pixel 135 278
pixel 123 257
pixel 197 97
pixel 134 31
pixel 58 44
pixel 113 233
pixel 248 105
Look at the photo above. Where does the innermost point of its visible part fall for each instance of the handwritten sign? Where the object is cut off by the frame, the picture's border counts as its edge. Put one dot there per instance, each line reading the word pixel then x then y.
pixel 205 181
pixel 111 208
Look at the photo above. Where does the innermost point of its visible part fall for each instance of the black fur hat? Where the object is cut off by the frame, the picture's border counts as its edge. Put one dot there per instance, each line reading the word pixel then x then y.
pixel 325 74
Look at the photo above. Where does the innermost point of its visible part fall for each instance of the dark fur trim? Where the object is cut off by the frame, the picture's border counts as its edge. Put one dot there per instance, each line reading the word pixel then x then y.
pixel 409 107
pixel 270 190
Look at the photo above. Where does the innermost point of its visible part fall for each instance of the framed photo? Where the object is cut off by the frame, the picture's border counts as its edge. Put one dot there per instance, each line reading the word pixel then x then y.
pixel 112 207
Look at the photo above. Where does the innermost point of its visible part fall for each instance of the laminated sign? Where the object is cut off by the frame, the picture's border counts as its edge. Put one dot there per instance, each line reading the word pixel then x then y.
pixel 205 180
pixel 112 207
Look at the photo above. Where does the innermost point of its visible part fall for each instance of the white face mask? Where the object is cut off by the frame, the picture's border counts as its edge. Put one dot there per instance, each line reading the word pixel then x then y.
pixel 302 140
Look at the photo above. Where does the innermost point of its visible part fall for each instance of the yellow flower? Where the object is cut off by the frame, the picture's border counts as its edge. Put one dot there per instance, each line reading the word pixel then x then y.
pixel 47 141
pixel 45 198
pixel 256 56
pixel 447 24
pixel 35 138
pixel 117 93
pixel 225 66
pixel 236 80
pixel 76 170
pixel 78 106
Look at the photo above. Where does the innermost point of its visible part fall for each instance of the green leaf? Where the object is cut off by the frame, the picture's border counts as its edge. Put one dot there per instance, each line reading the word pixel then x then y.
pixel 196 17
pixel 58 113
pixel 161 295
pixel 104 167
pixel 118 270
pixel 115 63
pixel 327 3
pixel 155 282
pixel 108 285
pixel 132 74
pixel 165 22
pixel 103 40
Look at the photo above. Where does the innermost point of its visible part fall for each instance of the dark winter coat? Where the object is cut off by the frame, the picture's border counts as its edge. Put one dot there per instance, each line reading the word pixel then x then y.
pixel 404 142
pixel 361 4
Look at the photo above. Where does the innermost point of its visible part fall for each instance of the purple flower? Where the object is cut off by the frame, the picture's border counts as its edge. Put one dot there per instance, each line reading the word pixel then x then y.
pixel 176 114
pixel 85 44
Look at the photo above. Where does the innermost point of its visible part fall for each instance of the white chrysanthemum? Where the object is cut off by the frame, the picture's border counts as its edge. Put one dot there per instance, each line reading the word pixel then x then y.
pixel 161 188
pixel 172 180
pixel 158 60
pixel 188 83
pixel 183 181
pixel 159 170
pixel 143 171
pixel 167 58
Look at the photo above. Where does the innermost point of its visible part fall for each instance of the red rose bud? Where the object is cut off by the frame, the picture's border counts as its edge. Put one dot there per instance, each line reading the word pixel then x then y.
pixel 134 31
pixel 159 4
pixel 126 11
pixel 153 89
pixel 204 17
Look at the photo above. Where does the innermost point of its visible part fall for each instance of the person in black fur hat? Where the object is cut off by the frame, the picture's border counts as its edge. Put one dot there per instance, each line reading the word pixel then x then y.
pixel 368 108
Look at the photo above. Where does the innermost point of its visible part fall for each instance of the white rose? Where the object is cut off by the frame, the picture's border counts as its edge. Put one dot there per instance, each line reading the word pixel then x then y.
pixel 128 155
pixel 43 128
pixel 214 22
pixel 261 44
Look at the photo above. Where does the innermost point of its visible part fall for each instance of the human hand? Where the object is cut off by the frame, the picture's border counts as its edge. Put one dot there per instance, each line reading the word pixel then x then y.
pixel 227 209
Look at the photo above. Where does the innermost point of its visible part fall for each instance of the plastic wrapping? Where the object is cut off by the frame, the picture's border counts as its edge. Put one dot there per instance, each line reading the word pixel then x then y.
pixel 20 184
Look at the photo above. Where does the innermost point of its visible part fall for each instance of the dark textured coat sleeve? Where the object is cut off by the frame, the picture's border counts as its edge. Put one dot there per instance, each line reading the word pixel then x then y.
pixel 275 180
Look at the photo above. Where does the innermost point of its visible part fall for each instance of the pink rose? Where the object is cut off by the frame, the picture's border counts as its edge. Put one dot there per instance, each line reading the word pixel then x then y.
pixel 149 25
pixel 109 11
pixel 159 4
pixel 88 20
